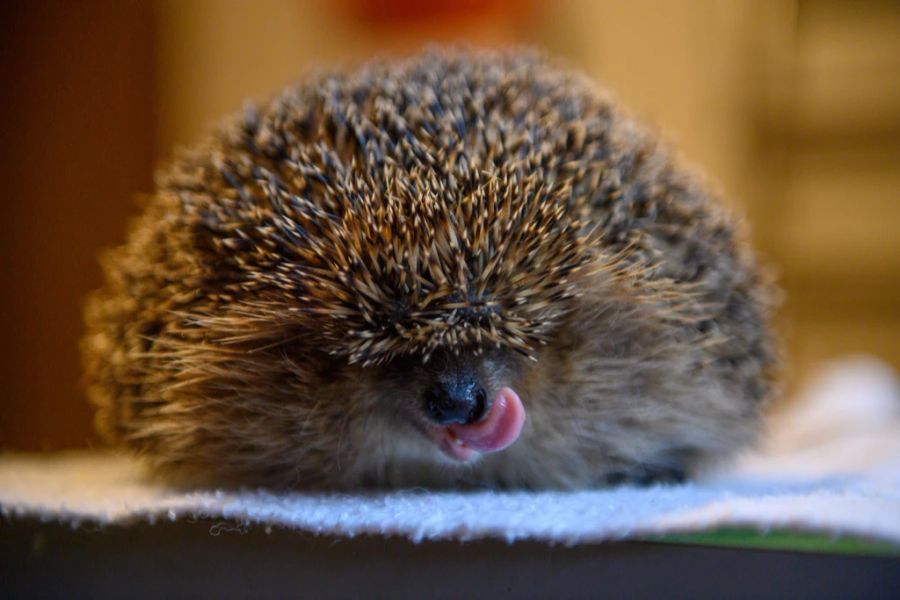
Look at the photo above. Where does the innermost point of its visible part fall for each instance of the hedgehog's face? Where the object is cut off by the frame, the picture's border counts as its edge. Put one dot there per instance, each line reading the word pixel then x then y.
pixel 463 402
pixel 433 285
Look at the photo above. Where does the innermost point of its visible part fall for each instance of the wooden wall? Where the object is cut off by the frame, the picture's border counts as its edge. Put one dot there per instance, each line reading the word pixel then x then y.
pixel 829 137
pixel 77 143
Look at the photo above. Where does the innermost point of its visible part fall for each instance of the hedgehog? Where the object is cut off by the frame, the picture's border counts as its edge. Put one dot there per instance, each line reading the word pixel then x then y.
pixel 463 268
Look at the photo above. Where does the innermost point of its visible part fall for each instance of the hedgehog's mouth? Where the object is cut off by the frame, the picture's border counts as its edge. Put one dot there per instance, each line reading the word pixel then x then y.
pixel 499 429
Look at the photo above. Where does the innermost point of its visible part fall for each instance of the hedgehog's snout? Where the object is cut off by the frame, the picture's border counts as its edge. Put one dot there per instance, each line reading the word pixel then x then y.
pixel 455 398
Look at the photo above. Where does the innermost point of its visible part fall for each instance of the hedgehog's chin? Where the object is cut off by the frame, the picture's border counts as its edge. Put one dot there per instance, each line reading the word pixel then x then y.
pixel 499 429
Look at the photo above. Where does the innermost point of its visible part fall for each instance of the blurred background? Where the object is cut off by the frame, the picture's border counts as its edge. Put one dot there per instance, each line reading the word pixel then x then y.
pixel 791 106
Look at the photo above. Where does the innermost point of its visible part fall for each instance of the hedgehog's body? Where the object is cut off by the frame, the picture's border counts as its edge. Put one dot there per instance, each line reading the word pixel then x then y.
pixel 270 318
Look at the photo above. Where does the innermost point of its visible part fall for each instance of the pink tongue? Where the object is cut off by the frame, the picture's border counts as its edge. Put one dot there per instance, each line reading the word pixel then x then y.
pixel 499 429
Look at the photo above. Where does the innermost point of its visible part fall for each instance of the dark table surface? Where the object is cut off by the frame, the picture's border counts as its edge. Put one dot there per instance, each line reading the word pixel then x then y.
pixel 223 559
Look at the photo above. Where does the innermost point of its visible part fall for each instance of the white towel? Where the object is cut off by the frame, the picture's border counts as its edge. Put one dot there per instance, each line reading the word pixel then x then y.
pixel 829 464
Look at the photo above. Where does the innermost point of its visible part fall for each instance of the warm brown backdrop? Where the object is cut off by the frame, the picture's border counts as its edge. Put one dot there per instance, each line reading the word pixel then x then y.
pixel 78 132
pixel 792 106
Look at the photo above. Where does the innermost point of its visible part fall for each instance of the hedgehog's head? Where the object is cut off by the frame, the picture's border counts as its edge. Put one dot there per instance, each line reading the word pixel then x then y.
pixel 441 283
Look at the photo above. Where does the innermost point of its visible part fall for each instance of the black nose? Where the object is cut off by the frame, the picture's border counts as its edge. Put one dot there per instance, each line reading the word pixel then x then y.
pixel 455 400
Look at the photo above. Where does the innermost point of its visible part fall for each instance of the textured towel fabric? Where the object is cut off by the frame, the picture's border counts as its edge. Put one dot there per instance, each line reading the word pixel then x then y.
pixel 831 464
